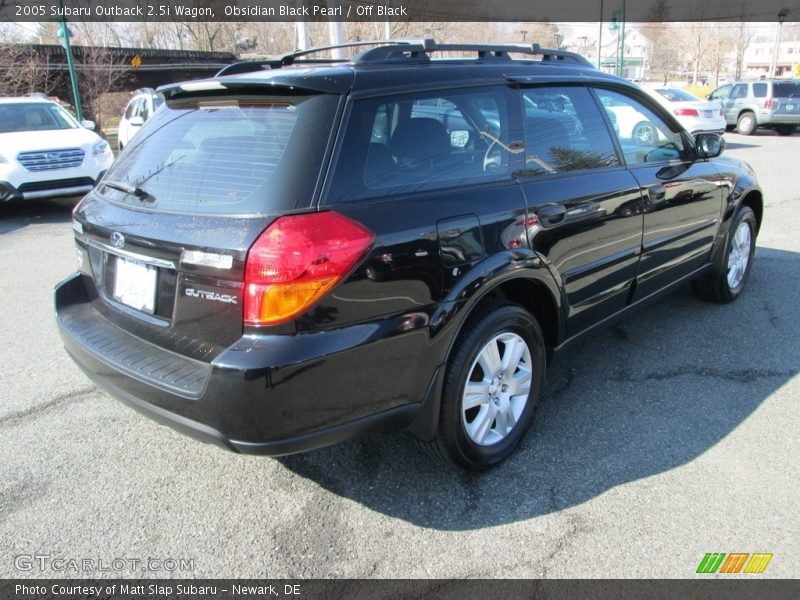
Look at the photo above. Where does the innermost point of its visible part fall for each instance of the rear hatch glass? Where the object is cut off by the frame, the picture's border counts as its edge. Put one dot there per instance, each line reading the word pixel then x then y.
pixel 231 155
pixel 786 90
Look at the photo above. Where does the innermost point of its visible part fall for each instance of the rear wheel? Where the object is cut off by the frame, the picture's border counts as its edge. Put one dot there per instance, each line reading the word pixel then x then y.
pixel 492 384
pixel 784 129
pixel 746 125
pixel 644 133
pixel 731 275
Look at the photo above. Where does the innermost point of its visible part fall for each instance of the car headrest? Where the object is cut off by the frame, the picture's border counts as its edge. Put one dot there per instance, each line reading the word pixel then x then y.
pixel 420 139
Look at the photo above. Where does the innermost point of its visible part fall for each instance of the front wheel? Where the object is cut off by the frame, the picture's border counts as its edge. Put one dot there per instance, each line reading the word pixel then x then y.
pixel 731 276
pixel 491 388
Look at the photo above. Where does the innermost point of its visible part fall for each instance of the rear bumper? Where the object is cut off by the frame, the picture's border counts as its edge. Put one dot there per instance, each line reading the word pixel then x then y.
pixel 264 395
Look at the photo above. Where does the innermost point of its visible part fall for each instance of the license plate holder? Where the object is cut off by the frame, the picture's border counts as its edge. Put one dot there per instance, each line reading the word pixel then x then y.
pixel 135 284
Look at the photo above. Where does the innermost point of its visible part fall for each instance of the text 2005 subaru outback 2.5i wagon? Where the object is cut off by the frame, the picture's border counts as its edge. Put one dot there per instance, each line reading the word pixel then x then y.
pixel 291 254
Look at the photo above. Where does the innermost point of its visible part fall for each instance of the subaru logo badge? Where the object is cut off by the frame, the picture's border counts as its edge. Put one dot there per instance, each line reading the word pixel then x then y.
pixel 52 156
pixel 117 239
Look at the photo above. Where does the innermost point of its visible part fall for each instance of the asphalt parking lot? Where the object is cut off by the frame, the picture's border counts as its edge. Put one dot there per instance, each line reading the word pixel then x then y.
pixel 668 436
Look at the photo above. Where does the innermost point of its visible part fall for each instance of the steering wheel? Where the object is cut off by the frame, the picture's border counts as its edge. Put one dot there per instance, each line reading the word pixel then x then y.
pixel 491 162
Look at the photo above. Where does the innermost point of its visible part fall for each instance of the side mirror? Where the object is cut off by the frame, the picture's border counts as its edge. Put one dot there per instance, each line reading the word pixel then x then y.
pixel 709 145
pixel 136 121
pixel 709 96
pixel 87 124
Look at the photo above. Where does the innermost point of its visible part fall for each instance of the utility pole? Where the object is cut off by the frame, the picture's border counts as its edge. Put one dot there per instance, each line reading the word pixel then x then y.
pixel 773 63
pixel 600 39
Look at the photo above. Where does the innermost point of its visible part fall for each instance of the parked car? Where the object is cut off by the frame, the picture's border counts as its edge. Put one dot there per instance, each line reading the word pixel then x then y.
pixel 45 152
pixel 144 103
pixel 769 103
pixel 696 115
pixel 297 253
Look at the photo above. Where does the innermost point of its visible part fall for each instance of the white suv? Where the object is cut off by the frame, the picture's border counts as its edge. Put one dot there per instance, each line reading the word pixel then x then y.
pixel 46 153
pixel 140 108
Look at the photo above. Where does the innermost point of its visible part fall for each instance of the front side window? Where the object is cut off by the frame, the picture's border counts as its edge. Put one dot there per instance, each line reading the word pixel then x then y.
pixel 739 91
pixel 643 135
pixel 427 140
pixel 721 93
pixel 564 131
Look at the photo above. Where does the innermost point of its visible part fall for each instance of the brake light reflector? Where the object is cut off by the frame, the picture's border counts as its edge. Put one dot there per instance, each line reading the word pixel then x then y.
pixel 686 112
pixel 296 261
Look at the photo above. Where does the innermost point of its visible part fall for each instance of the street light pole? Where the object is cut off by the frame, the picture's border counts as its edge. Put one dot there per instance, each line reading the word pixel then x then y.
pixel 73 77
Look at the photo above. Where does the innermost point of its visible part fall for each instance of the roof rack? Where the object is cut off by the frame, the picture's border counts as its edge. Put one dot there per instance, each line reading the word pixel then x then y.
pixel 419 52
pixel 404 50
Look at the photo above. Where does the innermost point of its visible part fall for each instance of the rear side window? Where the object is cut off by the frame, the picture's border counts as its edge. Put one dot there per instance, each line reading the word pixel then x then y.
pixel 428 140
pixel 231 155
pixel 760 90
pixel 564 131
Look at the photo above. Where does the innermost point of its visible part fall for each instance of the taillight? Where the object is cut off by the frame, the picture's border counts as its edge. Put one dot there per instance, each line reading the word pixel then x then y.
pixel 768 103
pixel 686 112
pixel 296 261
pixel 721 112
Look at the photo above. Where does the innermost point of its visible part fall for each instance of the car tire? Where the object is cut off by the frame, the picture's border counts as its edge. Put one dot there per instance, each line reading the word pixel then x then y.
pixel 731 273
pixel 481 428
pixel 784 129
pixel 746 125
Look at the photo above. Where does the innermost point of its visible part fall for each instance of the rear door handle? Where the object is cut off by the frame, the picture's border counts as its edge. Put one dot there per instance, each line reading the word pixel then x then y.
pixel 552 214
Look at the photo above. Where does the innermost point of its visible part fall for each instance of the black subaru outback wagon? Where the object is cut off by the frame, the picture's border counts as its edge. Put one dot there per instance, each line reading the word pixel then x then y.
pixel 298 251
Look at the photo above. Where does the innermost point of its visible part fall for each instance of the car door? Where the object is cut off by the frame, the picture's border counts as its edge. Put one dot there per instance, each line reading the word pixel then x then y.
pixel 734 103
pixel 441 164
pixel 585 207
pixel 721 94
pixel 682 197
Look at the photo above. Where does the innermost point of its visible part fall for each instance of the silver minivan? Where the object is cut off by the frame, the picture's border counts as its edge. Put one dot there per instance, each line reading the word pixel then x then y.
pixel 770 103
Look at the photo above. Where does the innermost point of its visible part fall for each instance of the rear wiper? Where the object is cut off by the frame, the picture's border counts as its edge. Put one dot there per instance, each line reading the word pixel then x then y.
pixel 128 189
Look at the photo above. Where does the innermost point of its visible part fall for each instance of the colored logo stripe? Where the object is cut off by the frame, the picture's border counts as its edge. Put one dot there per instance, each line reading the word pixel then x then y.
pixel 734 562
pixel 758 562
pixel 712 562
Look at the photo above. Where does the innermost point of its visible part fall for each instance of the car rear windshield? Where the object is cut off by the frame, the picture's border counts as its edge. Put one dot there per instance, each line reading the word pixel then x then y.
pixel 34 116
pixel 786 90
pixel 227 155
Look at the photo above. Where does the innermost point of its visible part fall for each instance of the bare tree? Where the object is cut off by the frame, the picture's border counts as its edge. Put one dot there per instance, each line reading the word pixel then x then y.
pixel 23 70
pixel 99 72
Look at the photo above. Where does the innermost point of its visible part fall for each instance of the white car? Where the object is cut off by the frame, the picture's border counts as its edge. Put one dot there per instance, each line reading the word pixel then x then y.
pixel 140 108
pixel 45 152
pixel 696 115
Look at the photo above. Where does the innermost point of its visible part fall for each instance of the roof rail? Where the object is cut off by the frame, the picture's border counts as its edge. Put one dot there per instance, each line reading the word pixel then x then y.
pixel 284 60
pixel 415 50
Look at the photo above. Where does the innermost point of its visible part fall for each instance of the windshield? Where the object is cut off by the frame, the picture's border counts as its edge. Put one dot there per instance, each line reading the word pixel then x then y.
pixel 34 116
pixel 675 95
pixel 227 155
